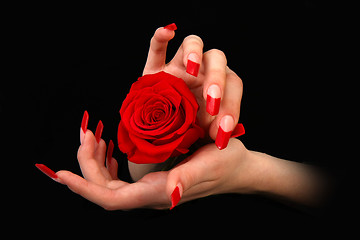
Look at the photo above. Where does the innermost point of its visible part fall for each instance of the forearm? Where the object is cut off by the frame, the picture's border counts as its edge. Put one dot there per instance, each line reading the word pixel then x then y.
pixel 287 180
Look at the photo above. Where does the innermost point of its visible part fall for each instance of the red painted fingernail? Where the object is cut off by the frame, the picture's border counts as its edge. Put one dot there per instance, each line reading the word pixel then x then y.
pixel 212 105
pixel 50 173
pixel 224 132
pixel 175 197
pixel 110 151
pixel 213 100
pixel 222 139
pixel 84 125
pixel 238 131
pixel 192 68
pixel 171 26
pixel 99 130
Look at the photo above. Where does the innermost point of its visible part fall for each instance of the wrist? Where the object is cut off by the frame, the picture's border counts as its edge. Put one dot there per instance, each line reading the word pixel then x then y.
pixel 258 172
pixel 261 172
pixel 285 179
pixel 251 171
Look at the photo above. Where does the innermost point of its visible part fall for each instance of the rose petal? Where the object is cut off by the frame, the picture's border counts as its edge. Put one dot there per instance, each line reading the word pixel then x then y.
pixel 124 142
pixel 150 148
pixel 189 114
pixel 158 119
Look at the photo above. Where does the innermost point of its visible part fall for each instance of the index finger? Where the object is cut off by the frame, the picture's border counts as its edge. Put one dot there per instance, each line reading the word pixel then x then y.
pixel 157 51
pixel 97 194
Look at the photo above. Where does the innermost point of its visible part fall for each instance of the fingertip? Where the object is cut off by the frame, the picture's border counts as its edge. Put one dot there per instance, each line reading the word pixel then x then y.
pixel 163 35
pixel 173 180
pixel 176 196
pixel 74 182
pixel 63 176
pixel 89 139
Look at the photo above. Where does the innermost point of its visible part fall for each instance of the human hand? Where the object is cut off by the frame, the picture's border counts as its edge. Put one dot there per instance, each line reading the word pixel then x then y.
pixel 101 185
pixel 208 171
pixel 217 88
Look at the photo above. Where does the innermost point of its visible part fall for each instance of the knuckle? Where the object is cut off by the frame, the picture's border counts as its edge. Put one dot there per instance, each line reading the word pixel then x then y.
pixel 194 39
pixel 80 154
pixel 216 53
pixel 234 78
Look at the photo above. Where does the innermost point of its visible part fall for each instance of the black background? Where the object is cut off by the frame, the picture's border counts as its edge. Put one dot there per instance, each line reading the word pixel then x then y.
pixel 75 58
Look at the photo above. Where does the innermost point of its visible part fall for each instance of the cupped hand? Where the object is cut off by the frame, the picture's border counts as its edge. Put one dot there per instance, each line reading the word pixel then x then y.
pixel 216 87
pixel 208 171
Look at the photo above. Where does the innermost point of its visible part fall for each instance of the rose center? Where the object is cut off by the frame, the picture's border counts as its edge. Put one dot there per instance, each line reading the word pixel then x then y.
pixel 157 116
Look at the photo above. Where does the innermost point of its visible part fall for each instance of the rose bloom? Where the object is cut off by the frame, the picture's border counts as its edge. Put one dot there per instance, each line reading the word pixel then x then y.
pixel 158 119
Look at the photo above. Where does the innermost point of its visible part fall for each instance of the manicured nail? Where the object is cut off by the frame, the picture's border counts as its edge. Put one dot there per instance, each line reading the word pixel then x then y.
pixel 224 133
pixel 84 125
pixel 175 197
pixel 110 152
pixel 50 173
pixel 99 130
pixel 238 131
pixel 171 26
pixel 213 100
pixel 193 64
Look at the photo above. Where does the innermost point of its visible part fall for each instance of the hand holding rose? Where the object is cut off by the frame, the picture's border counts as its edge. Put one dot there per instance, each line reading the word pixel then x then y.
pixel 163 87
pixel 218 91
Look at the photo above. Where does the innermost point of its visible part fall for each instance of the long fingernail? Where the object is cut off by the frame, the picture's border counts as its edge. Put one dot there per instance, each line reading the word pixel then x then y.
pixel 99 130
pixel 171 26
pixel 175 197
pixel 110 152
pixel 213 99
pixel 84 125
pixel 224 133
pixel 193 64
pixel 47 171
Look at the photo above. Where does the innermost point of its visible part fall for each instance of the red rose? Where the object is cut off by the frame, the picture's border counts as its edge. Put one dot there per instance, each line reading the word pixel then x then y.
pixel 158 119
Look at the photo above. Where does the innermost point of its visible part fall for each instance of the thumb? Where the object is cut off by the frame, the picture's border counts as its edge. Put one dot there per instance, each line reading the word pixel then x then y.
pixel 192 171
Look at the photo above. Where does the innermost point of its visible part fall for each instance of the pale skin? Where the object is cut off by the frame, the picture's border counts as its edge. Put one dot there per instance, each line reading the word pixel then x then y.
pixel 209 170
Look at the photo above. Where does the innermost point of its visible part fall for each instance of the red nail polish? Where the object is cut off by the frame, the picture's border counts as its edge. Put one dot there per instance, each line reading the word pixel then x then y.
pixel 84 125
pixel 212 105
pixel 238 131
pixel 99 130
pixel 50 173
pixel 192 68
pixel 222 138
pixel 84 122
pixel 175 197
pixel 110 151
pixel 171 26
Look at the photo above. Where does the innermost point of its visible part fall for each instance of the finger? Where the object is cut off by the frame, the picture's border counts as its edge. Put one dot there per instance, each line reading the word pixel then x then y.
pixel 100 152
pixel 95 193
pixel 229 113
pixel 90 161
pixel 111 162
pixel 119 195
pixel 190 54
pixel 157 52
pixel 191 172
pixel 215 79
pixel 87 148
